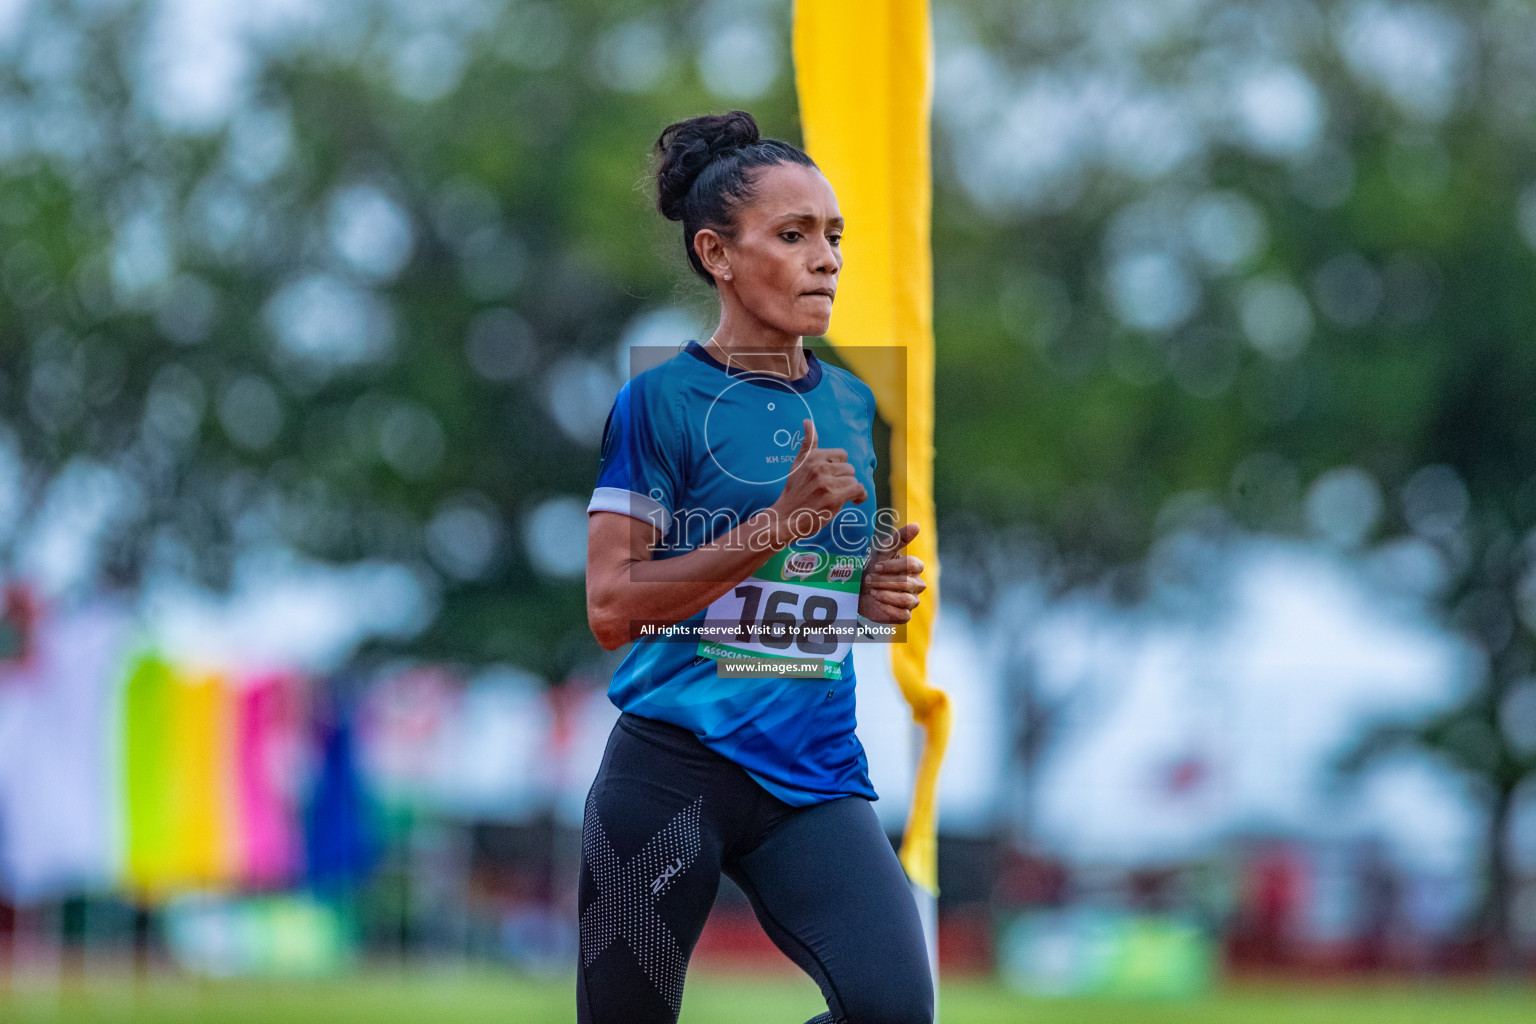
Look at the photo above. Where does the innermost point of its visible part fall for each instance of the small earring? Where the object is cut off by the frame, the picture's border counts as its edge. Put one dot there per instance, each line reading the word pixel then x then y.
pixel 727 275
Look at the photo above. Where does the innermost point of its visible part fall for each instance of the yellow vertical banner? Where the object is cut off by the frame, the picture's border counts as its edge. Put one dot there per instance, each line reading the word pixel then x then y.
pixel 864 74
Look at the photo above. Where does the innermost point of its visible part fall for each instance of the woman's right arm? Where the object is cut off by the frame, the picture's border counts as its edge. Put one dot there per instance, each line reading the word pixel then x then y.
pixel 627 587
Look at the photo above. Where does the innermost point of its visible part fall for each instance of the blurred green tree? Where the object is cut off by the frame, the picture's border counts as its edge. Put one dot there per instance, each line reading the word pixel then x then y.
pixel 1224 268
pixel 372 309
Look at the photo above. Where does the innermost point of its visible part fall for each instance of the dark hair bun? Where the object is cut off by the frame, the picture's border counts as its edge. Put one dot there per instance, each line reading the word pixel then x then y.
pixel 688 147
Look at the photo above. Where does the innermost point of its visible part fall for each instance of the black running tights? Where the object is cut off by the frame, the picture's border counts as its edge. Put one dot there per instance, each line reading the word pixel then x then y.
pixel 666 815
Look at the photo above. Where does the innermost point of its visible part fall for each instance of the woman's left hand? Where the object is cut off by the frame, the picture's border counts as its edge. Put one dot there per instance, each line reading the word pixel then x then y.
pixel 891 582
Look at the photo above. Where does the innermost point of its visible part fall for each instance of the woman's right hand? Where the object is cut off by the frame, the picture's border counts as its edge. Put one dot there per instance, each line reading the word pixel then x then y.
pixel 821 481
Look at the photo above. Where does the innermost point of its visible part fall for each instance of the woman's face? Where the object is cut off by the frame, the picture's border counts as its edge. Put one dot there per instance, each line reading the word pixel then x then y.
pixel 784 257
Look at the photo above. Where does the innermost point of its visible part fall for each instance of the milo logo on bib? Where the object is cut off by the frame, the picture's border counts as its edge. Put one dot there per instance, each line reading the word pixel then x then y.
pixel 801 604
pixel 800 565
pixel 843 569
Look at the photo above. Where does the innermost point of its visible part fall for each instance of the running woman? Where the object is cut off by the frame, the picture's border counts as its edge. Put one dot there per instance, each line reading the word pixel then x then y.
pixel 732 520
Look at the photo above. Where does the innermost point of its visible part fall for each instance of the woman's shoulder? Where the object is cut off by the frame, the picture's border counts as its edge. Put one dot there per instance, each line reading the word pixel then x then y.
pixel 848 381
pixel 658 381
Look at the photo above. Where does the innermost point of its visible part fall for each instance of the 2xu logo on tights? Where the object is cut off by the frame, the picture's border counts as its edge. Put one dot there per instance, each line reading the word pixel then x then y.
pixel 667 874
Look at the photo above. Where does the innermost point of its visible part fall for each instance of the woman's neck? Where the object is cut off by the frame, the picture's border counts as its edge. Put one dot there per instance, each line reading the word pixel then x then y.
pixel 747 343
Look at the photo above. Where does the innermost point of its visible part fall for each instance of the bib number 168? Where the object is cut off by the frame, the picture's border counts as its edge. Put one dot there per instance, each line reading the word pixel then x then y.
pixel 777 626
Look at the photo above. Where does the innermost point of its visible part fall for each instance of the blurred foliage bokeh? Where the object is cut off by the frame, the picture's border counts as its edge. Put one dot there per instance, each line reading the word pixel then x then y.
pixel 360 289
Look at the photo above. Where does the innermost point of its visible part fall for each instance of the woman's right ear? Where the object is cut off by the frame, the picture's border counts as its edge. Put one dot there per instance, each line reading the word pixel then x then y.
pixel 710 248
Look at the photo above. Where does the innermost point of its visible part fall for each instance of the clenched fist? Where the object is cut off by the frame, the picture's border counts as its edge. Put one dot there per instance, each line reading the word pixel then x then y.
pixel 821 481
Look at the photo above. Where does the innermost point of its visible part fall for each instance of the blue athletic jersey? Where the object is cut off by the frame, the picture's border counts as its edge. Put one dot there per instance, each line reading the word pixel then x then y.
pixel 696 448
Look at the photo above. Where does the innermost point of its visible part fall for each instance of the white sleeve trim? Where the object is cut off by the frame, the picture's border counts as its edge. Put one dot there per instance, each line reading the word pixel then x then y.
pixel 631 503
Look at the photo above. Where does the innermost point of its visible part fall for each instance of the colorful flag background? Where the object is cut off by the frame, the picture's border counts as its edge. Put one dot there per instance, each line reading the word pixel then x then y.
pixel 206 757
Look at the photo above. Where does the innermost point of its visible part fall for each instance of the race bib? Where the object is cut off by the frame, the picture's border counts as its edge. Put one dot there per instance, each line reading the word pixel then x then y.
pixel 801 604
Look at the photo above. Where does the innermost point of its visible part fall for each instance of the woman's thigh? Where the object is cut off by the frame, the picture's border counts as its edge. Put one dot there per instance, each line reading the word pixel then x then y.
pixel 829 891
pixel 650 868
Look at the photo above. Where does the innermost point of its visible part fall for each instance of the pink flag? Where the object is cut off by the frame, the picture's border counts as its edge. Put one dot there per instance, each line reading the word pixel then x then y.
pixel 267 738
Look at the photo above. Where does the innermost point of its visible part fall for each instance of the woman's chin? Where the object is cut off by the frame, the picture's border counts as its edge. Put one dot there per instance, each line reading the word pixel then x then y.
pixel 814 327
